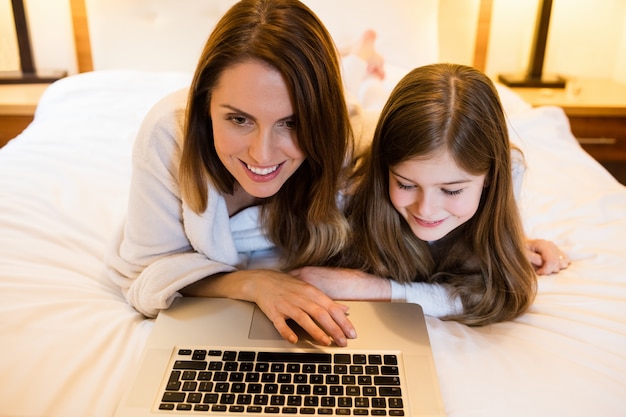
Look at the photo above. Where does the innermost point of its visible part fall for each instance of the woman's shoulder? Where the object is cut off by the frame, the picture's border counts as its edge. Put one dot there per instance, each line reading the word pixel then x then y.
pixel 163 125
pixel 168 113
pixel 171 103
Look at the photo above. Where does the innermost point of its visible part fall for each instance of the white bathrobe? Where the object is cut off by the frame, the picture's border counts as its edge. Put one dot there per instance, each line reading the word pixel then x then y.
pixel 164 246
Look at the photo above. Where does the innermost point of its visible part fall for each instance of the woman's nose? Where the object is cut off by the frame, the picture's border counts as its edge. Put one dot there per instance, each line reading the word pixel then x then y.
pixel 260 146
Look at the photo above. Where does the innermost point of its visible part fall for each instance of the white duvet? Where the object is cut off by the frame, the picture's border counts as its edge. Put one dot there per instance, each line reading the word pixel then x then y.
pixel 70 341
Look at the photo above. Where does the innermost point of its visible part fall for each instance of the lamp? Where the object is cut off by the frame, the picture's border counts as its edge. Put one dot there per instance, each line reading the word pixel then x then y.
pixel 534 77
pixel 27 72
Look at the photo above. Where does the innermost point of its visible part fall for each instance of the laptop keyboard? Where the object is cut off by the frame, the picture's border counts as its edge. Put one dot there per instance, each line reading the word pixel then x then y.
pixel 268 382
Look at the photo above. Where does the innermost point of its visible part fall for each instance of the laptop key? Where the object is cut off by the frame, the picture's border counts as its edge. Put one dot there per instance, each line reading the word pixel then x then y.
pixel 191 365
pixel 390 391
pixel 389 370
pixel 386 380
pixel 173 397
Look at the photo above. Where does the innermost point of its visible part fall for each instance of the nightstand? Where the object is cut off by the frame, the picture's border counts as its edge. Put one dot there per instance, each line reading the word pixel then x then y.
pixel 597 112
pixel 17 108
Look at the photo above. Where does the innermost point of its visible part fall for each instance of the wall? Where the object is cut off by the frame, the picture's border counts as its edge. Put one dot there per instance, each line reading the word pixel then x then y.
pixel 51 35
pixel 587 38
pixel 457 30
pixel 619 72
pixel 9 55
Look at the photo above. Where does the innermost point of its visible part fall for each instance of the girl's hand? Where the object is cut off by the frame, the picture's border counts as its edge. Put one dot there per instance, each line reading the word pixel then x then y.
pixel 546 257
pixel 345 284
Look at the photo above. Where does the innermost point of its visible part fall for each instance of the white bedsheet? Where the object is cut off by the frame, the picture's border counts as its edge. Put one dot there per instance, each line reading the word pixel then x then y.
pixel 70 341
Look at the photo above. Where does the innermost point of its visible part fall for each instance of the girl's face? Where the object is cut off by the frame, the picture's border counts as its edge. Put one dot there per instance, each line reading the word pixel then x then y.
pixel 253 127
pixel 434 195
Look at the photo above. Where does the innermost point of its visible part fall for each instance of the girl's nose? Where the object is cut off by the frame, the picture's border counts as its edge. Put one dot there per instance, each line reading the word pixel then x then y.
pixel 425 204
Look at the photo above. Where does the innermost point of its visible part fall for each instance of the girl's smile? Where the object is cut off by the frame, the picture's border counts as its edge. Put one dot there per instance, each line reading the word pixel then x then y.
pixel 434 195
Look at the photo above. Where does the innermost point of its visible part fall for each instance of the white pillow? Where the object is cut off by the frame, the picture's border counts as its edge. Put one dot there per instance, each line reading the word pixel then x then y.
pixel 511 101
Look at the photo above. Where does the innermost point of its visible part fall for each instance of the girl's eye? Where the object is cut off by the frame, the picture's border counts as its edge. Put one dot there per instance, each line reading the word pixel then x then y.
pixel 452 192
pixel 404 186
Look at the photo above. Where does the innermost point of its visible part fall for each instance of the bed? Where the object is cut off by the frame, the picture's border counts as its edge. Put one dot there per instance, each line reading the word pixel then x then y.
pixel 70 340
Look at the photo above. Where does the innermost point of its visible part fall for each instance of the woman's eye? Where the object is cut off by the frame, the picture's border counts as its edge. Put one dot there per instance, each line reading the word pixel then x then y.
pixel 289 124
pixel 238 120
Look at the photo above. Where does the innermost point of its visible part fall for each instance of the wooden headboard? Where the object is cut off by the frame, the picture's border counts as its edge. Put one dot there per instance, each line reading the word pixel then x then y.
pixel 84 56
pixel 482 35
pixel 81 35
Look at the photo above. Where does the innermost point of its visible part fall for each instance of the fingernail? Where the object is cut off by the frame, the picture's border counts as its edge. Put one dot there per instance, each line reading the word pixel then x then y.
pixel 293 338
pixel 352 334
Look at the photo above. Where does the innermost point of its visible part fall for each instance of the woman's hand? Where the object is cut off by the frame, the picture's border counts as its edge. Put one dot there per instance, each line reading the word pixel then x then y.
pixel 345 284
pixel 282 297
pixel 546 256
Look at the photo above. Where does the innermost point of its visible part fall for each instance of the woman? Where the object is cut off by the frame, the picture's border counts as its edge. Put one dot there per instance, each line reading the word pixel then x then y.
pixel 247 163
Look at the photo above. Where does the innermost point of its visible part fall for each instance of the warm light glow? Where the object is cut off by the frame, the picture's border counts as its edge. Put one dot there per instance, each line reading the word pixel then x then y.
pixel 51 34
pixel 9 54
pixel 583 39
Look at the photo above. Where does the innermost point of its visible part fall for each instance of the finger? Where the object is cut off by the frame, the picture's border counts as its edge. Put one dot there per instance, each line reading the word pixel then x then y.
pixel 341 318
pixel 303 320
pixel 551 267
pixel 544 270
pixel 327 324
pixel 535 258
pixel 285 331
pixel 337 324
pixel 310 326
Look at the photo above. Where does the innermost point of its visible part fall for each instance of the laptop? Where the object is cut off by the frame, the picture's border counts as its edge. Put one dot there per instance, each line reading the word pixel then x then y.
pixel 223 357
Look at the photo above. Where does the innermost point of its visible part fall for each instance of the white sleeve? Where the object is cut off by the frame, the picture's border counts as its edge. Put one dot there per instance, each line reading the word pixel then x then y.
pixel 518 171
pixel 434 298
pixel 151 258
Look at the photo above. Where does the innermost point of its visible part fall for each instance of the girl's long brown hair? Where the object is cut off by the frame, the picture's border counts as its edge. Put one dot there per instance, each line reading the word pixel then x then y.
pixel 455 108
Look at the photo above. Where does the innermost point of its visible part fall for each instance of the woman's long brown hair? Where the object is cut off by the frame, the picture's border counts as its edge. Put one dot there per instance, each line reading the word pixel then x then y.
pixel 303 218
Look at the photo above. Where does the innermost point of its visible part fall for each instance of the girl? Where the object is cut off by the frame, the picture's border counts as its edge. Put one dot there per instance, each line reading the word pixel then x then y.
pixel 244 165
pixel 435 205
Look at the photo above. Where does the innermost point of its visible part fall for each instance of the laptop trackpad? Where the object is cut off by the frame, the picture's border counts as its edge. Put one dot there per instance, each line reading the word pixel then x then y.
pixel 262 328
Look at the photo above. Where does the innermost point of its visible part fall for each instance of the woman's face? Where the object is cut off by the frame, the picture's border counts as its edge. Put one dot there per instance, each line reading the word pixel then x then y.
pixel 434 195
pixel 253 127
